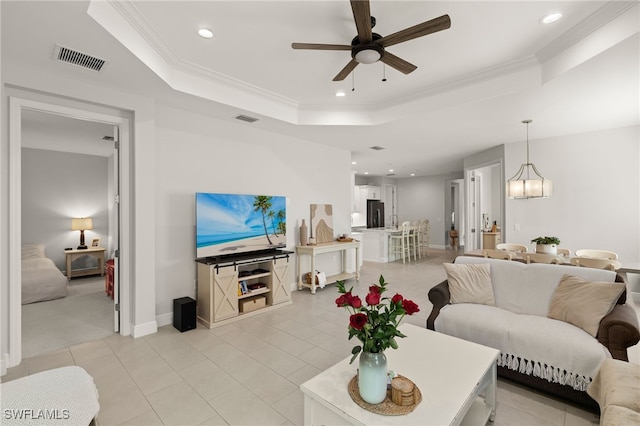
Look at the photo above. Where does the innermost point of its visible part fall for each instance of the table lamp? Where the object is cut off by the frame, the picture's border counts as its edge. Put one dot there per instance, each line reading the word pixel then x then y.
pixel 81 224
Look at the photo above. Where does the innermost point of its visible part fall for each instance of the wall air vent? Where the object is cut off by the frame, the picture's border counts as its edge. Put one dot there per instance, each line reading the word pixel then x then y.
pixel 376 148
pixel 79 59
pixel 246 118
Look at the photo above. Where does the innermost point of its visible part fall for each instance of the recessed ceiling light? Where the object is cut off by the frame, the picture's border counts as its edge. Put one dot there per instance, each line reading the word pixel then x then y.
pixel 366 173
pixel 390 170
pixel 550 17
pixel 340 93
pixel 354 162
pixel 413 174
pixel 205 33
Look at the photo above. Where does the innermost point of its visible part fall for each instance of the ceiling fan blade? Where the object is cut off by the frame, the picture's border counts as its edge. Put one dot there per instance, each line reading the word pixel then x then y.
pixel 346 71
pixel 362 16
pixel 438 24
pixel 398 63
pixel 316 46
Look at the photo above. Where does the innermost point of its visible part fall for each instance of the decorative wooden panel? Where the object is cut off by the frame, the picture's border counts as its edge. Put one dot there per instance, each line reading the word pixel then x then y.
pixel 322 222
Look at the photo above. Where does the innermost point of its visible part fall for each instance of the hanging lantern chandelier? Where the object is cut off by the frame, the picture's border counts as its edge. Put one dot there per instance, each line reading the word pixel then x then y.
pixel 528 182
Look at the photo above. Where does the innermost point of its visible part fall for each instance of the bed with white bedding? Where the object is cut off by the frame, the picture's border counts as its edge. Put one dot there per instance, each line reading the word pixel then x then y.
pixel 41 278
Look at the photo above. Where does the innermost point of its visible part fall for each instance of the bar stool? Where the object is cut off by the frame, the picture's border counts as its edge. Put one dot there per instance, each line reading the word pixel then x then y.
pixel 423 236
pixel 399 243
pixel 453 237
pixel 412 240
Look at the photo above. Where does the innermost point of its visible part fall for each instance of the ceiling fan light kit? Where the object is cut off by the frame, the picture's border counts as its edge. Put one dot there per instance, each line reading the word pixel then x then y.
pixel 368 54
pixel 522 186
pixel 368 47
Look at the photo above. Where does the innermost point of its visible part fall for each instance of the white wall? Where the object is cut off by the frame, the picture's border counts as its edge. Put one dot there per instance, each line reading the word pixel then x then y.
pixel 195 153
pixel 595 202
pixel 423 198
pixel 57 186
pixel 191 153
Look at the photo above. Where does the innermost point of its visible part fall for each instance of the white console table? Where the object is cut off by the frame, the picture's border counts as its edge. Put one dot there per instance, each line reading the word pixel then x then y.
pixel 331 247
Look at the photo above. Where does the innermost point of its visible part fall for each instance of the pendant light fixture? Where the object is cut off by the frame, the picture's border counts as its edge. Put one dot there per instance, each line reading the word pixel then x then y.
pixel 528 182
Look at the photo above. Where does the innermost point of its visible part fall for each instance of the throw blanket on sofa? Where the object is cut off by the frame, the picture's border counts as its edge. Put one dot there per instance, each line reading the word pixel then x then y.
pixel 529 342
pixel 549 349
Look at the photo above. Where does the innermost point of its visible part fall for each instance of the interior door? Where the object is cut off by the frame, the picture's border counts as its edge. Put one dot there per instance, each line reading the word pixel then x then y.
pixel 474 207
pixel 114 226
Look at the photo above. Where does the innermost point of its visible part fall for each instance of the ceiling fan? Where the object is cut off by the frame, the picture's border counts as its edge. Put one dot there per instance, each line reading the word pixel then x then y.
pixel 368 47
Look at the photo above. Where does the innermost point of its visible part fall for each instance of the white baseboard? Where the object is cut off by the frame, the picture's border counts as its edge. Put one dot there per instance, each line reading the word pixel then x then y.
pixel 145 329
pixel 164 319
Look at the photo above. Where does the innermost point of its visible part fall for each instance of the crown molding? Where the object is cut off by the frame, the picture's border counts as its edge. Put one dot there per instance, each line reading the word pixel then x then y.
pixel 589 25
pixel 157 43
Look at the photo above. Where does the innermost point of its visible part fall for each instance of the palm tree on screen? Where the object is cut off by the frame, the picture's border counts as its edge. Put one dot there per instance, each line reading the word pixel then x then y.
pixel 262 203
pixel 272 217
pixel 282 225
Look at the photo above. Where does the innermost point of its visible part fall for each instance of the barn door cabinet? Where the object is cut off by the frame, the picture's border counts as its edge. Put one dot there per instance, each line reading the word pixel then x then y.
pixel 233 288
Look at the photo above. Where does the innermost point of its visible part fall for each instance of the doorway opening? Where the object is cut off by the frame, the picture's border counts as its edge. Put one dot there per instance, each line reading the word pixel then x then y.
pixel 68 172
pixel 484 202
pixel 117 221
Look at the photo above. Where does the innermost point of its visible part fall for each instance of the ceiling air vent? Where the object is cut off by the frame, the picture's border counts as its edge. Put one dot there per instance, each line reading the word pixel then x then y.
pixel 79 59
pixel 107 138
pixel 376 148
pixel 246 118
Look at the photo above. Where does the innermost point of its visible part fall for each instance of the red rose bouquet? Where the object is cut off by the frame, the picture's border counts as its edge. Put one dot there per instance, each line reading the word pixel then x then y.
pixel 376 324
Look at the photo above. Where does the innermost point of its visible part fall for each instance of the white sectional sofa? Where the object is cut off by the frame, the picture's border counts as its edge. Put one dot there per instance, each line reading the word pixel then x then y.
pixel 550 354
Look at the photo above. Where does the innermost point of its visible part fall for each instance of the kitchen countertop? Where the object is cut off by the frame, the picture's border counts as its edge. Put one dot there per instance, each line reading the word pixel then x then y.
pixel 385 229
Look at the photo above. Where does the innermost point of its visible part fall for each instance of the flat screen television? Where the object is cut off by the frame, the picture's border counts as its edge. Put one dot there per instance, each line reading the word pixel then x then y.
pixel 231 224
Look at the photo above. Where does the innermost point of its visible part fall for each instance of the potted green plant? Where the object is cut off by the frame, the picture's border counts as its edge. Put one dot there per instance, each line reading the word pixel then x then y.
pixel 547 245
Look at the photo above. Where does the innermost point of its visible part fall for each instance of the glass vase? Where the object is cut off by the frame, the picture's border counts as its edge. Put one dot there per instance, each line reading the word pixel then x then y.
pixel 372 377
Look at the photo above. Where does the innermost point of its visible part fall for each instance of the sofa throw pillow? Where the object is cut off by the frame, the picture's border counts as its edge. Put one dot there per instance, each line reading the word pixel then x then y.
pixel 470 283
pixel 32 251
pixel 584 303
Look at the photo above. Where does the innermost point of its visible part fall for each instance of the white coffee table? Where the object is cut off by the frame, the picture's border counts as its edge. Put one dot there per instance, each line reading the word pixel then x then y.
pixel 451 374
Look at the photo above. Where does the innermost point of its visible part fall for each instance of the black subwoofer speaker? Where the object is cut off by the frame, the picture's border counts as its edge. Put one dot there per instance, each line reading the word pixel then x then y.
pixel 184 313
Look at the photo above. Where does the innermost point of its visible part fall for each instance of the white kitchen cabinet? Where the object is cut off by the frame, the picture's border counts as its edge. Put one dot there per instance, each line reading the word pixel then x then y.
pixel 373 192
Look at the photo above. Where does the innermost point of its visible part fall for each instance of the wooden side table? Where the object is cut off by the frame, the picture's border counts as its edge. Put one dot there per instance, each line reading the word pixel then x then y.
pixel 490 240
pixel 71 255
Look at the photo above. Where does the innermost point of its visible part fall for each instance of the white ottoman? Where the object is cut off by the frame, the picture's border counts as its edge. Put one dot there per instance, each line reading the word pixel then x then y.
pixel 63 396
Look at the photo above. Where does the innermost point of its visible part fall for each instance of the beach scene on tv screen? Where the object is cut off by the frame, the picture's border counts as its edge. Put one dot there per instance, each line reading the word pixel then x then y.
pixel 237 223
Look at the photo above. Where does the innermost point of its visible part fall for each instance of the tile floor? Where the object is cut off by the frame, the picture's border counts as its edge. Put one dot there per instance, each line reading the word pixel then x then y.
pixel 85 314
pixel 249 372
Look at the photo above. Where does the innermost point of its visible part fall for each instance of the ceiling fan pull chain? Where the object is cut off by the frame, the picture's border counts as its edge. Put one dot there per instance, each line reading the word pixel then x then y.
pixel 384 75
pixel 353 81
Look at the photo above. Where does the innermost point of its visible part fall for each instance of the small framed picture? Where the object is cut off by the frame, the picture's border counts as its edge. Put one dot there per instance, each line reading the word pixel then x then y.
pixel 95 243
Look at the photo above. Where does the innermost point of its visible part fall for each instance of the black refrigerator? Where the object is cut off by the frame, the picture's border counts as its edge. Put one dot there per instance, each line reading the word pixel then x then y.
pixel 375 214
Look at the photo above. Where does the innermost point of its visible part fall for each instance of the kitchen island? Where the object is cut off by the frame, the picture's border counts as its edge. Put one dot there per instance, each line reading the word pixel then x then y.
pixel 375 244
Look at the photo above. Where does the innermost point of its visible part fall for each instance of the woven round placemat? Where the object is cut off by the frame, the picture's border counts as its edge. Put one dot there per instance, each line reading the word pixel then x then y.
pixel 386 407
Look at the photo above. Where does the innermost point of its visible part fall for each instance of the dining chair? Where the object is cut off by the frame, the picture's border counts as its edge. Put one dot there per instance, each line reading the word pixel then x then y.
pixel 498 254
pixel 512 247
pixel 543 258
pixel 592 262
pixel 563 251
pixel 598 254
pixel 399 242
